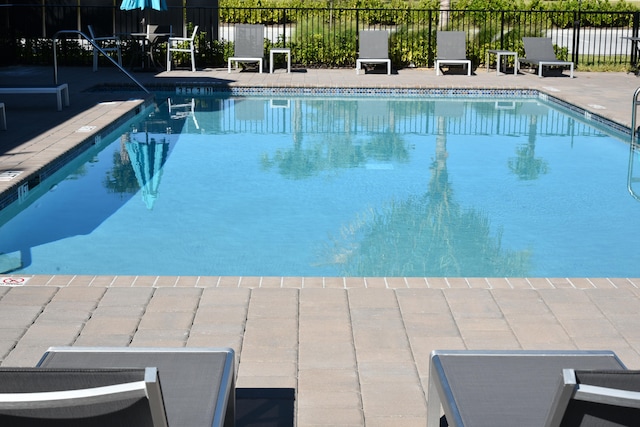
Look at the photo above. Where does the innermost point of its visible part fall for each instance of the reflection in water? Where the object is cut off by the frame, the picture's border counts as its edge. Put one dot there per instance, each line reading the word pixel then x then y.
pixel 426 235
pixel 319 186
pixel 633 178
pixel 344 148
pixel 147 158
pixel 525 165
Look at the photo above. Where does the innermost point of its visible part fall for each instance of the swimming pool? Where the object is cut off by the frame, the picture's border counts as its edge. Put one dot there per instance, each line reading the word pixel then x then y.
pixel 335 186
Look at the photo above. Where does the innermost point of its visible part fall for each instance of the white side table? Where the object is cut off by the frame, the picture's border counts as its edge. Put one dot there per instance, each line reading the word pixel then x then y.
pixel 499 54
pixel 282 50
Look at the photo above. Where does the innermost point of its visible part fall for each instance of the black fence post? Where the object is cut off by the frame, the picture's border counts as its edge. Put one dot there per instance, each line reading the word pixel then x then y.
pixel 576 36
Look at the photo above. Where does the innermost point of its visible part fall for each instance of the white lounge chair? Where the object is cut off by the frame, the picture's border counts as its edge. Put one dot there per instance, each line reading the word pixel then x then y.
pixel 538 51
pixel 452 49
pixel 374 49
pixel 248 45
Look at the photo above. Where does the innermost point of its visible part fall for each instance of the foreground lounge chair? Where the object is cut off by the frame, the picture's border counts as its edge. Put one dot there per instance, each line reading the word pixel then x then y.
pixel 591 397
pixel 452 49
pixel 374 49
pixel 503 388
pixel 75 397
pixel 198 384
pixel 539 53
pixel 248 45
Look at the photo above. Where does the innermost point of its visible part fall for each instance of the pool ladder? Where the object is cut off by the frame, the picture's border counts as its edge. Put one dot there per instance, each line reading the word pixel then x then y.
pixel 634 146
pixel 95 46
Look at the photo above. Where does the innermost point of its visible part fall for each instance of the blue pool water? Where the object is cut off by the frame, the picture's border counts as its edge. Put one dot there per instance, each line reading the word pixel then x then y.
pixel 319 186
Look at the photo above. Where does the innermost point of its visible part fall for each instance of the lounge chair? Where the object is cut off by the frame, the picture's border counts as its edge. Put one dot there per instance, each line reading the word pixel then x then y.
pixel 81 397
pixel 107 44
pixel 603 398
pixel 198 384
pixel 374 49
pixel 452 49
pixel 496 388
pixel 248 45
pixel 538 52
pixel 182 44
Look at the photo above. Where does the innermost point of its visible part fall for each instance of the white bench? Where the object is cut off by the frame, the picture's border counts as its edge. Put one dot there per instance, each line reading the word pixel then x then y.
pixel 59 91
pixel 3 117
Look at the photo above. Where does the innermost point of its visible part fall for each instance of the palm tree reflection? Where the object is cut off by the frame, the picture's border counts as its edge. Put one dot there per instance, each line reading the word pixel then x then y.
pixel 526 166
pixel 426 235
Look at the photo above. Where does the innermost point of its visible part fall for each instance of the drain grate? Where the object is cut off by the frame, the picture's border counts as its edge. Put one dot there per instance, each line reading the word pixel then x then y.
pixel 9 175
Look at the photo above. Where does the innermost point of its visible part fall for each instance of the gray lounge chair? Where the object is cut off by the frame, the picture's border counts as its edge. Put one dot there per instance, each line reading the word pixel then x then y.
pixel 538 52
pixel 452 49
pixel 248 45
pixel 602 398
pixel 198 384
pixel 81 397
pixel 374 49
pixel 502 388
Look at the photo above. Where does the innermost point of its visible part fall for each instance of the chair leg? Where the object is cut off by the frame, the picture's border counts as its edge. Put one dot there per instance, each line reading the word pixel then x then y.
pixel 3 117
pixel 95 60
pixel 193 60
pixel 168 58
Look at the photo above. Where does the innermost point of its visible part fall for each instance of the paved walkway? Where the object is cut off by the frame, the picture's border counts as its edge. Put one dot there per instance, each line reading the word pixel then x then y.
pixel 356 350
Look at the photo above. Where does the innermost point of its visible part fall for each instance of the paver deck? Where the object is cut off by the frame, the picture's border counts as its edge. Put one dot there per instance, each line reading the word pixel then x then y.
pixel 355 350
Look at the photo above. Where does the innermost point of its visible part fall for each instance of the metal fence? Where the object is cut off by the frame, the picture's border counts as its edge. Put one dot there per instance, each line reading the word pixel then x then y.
pixel 328 37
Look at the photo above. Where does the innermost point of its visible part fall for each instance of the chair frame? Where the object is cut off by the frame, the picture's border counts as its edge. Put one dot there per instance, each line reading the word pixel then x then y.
pixel 444 57
pixel 570 389
pixel 462 399
pixel 221 386
pixel 99 41
pixel 173 45
pixel 371 42
pixel 29 403
pixel 549 60
pixel 250 57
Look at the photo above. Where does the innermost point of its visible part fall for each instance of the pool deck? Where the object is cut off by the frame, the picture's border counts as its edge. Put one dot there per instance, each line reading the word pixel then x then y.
pixel 355 350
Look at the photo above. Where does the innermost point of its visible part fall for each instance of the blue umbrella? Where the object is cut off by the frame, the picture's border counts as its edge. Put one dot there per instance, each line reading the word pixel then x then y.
pixel 143 4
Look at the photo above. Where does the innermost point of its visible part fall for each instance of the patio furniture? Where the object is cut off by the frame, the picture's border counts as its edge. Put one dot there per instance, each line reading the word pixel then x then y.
pixel 182 44
pixel 61 91
pixel 107 44
pixel 452 49
pixel 497 388
pixel 374 49
pixel 593 397
pixel 283 51
pixel 538 52
pixel 248 45
pixel 198 384
pixel 75 397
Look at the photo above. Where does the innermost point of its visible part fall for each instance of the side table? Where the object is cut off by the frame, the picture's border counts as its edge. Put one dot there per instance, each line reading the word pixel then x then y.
pixel 282 50
pixel 499 53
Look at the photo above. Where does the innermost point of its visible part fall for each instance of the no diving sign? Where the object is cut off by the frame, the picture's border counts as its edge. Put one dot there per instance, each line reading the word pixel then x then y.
pixel 13 281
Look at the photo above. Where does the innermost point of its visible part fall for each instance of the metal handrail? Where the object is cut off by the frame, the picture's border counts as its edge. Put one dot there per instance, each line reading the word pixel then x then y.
pixel 95 46
pixel 633 145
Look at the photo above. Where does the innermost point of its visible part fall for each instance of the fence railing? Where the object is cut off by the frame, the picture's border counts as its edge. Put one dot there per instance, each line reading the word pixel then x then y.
pixel 328 37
